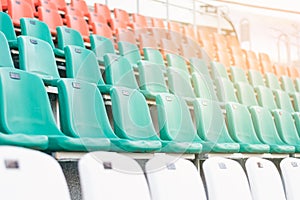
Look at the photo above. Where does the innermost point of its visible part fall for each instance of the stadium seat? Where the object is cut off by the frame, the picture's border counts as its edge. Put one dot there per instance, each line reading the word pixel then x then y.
pixel 264 179
pixel 199 66
pixel 7 27
pixel 5 55
pixel 297 84
pixel 283 101
pixel 180 84
pixel 119 72
pixel 176 125
pixel 187 52
pixel 18 9
pixel 238 75
pixel 124 35
pixel 3 5
pixel 131 117
pixel 224 58
pixel 82 6
pixel 265 97
pixel 287 84
pixel 154 55
pixel 189 32
pixel 252 61
pixel 80 25
pixel 100 46
pixel 286 128
pixel 177 62
pixel 242 130
pixel 296 117
pixel 164 184
pixel 168 46
pixel 238 58
pixel 131 52
pixel 102 30
pixel 117 23
pixel 70 11
pixel 225 179
pixel 103 10
pixel 139 19
pixel 51 17
pixel 265 63
pixel 43 64
pixel 30 174
pixel 67 36
pixel 47 5
pixel 203 87
pixel 290 174
pixel 218 70
pixel 266 130
pixel 61 4
pixel 96 18
pixel 109 175
pixel 255 78
pixel 36 118
pixel 139 30
pixel 280 70
pixel 246 94
pixel 272 81
pixel 211 126
pixel 293 72
pixel 152 80
pixel 82 64
pixel 177 38
pixel 147 41
pixel 225 90
pixel 122 15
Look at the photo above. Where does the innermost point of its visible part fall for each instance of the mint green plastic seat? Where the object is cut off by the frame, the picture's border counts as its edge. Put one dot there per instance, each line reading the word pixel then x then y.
pixel 238 75
pixel 246 94
pixel 176 125
pixel 286 128
pixel 83 114
pixel 43 64
pixel 119 72
pixel 242 130
pixel 283 101
pixel 179 84
pixel 7 27
pixel 82 64
pixel 265 97
pixel 131 52
pixel 266 130
pixel 272 81
pixel 5 56
pixel 67 36
pixel 211 126
pixel 199 66
pixel 296 117
pixel 297 84
pixel 225 90
pixel 177 61
pixel 296 101
pixel 153 55
pixel 287 84
pixel 255 78
pixel 28 111
pixel 203 86
pixel 218 70
pixel 100 46
pixel 152 80
pixel 132 118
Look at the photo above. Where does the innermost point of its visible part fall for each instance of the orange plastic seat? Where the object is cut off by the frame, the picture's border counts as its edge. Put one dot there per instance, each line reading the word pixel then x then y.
pixel 174 26
pixel 96 17
pixel 80 25
pixel 157 23
pixel 140 20
pixel 73 12
pixel 122 15
pixel 294 72
pixel 103 10
pixel 252 61
pixel 0 6
pixel 60 4
pixel 187 52
pixel 48 4
pixel 232 41
pixel 147 41
pixel 18 9
pixel 265 63
pixel 124 35
pixel 280 70
pixel 238 57
pixel 220 41
pixel 167 46
pixel 4 4
pixel 51 17
pixel 224 58
pixel 188 31
pixel 117 23
pixel 102 30
pixel 81 5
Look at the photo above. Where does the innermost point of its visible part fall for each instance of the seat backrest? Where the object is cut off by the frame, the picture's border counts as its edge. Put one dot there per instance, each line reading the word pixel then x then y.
pixel 225 90
pixel 124 35
pixel 43 64
pixel 238 75
pixel 199 65
pixel 122 15
pixel 130 51
pixel 246 94
pixel 131 115
pixel 154 56
pixel 119 72
pixel 37 29
pixel 265 97
pixel 177 61
pixel 141 20
pixel 157 23
pixel 95 17
pixel 272 81
pixel 68 36
pixel 7 27
pixel 168 46
pixel 210 121
pixel 163 171
pixel 102 29
pixel 179 83
pixel 100 46
pixel 5 55
pixel 264 179
pixel 218 70
pixel 79 24
pixel 291 176
pixel 80 5
pixel 174 119
pixel 36 118
pixel 223 176
pixel 151 77
pixel 18 9
pixel 103 173
pixel 51 17
pixel 283 101
pixel 103 10
pixel 147 42
pixel 61 4
pixel 203 86
pixel 255 78
pixel 287 84
pixel 82 64
pixel 25 170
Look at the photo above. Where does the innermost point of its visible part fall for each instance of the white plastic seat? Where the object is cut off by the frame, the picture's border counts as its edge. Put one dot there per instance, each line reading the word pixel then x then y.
pixel 290 170
pixel 173 178
pixel 30 174
pixel 225 179
pixel 109 175
pixel 264 179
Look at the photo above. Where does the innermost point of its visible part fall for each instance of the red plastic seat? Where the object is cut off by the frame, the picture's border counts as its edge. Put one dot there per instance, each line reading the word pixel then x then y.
pixel 51 17
pixel 4 4
pixel 140 20
pixel 122 15
pixel 174 26
pixel 82 6
pixel 96 18
pixel 102 29
pixel 167 46
pixel 124 35
pixel 73 12
pixel 147 41
pixel 79 24
pixel 117 23
pixel 60 4
pixel 0 6
pixel 103 10
pixel 158 23
pixel 48 4
pixel 18 9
